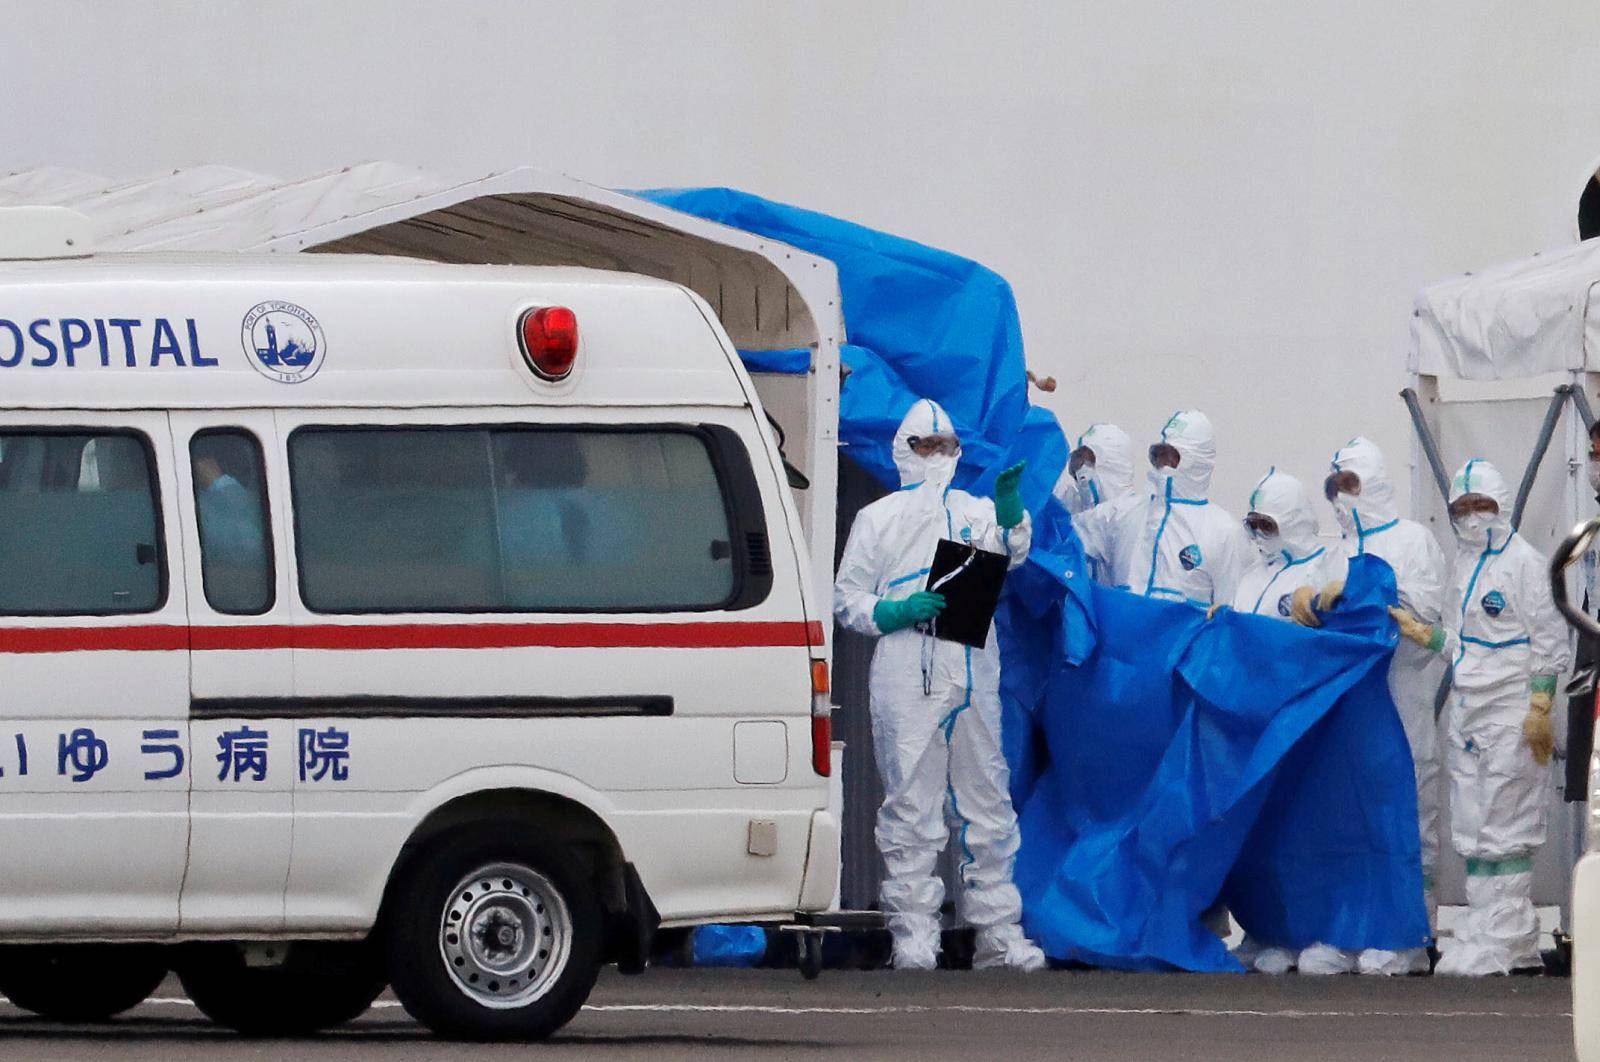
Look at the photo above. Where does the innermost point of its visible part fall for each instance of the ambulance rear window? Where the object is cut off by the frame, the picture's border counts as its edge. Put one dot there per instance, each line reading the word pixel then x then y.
pixel 80 532
pixel 506 519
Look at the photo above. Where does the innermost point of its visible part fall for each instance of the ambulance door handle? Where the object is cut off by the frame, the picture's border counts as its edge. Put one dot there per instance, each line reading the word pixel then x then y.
pixel 144 553
pixel 721 549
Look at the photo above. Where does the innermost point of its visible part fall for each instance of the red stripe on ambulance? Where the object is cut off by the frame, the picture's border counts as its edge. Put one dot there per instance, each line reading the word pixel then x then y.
pixel 153 638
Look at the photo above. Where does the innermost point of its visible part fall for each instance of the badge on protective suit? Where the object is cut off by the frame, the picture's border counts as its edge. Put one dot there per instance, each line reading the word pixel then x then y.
pixel 970 580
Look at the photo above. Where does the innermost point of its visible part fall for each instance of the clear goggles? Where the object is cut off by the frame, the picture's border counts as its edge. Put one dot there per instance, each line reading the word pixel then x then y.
pixel 1260 525
pixel 1468 504
pixel 1342 482
pixel 1164 455
pixel 927 445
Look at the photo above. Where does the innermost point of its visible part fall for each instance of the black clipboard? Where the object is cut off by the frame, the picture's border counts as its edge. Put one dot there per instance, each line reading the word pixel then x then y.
pixel 970 580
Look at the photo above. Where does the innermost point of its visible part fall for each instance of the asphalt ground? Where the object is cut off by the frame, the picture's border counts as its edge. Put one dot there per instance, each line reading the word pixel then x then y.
pixel 704 1014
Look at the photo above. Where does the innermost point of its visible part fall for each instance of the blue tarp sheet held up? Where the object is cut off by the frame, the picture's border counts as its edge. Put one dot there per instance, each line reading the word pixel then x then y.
pixel 1159 761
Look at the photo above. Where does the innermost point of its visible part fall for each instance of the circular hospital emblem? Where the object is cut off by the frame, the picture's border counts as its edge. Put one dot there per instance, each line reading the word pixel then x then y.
pixel 1494 602
pixel 1286 605
pixel 283 341
pixel 1189 557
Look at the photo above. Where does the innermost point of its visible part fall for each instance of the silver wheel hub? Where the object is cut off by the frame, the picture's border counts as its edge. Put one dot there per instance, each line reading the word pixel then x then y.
pixel 505 935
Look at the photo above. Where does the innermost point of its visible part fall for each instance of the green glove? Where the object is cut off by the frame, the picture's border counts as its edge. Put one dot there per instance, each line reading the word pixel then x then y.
pixel 891 616
pixel 1008 495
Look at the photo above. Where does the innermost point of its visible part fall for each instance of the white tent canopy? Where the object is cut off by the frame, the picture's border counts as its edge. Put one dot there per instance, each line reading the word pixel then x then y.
pixel 1525 318
pixel 1497 357
pixel 768 295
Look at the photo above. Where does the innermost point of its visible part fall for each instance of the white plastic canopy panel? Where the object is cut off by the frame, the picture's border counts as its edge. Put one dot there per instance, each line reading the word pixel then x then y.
pixel 1515 320
pixel 765 293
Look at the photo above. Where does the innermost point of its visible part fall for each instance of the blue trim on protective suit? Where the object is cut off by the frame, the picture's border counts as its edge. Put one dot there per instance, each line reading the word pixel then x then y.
pixel 907 578
pixel 1289 562
pixel 1472 583
pixel 1362 534
pixel 1508 643
pixel 1150 587
pixel 1155 547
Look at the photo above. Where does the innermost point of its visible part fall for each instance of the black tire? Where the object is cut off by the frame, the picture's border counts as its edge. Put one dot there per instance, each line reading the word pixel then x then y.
pixel 80 982
pixel 810 955
pixel 500 880
pixel 318 986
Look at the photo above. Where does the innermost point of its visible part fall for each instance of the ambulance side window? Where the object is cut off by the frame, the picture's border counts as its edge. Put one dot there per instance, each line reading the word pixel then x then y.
pixel 230 502
pixel 527 519
pixel 80 527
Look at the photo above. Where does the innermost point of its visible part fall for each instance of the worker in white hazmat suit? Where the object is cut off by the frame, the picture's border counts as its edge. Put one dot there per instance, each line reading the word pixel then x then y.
pixel 1508 644
pixel 1362 497
pixel 1100 474
pixel 935 703
pixel 1183 546
pixel 1283 528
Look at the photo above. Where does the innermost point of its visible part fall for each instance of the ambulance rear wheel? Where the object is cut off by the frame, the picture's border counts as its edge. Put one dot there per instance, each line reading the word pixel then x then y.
pixel 494 934
pixel 80 982
pixel 319 985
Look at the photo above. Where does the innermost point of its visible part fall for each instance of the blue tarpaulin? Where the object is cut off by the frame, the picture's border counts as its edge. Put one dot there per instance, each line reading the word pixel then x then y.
pixel 1159 761
pixel 732 945
pixel 793 361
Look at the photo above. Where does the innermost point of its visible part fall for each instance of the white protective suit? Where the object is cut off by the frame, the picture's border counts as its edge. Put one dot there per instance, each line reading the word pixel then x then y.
pixel 1371 523
pixel 1184 547
pixel 1294 558
pixel 1503 633
pixel 1107 486
pixel 935 713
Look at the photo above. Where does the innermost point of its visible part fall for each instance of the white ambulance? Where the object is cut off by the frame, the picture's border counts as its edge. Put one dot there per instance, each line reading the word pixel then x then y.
pixel 372 621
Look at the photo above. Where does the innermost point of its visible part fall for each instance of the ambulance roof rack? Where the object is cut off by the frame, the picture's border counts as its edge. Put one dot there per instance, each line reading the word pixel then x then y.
pixel 32 232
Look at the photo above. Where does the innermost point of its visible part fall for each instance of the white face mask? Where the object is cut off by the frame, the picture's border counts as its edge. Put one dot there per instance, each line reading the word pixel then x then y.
pixel 1269 546
pixel 1159 477
pixel 1344 510
pixel 941 469
pixel 1594 474
pixel 1088 488
pixel 1474 527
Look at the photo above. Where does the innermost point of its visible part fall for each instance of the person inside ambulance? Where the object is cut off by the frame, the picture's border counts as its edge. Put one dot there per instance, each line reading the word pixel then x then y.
pixel 1182 546
pixel 935 704
pixel 1359 489
pixel 1098 490
pixel 1508 644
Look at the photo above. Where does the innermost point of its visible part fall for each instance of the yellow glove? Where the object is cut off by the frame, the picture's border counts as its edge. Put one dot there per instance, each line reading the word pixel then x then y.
pixel 1215 607
pixel 1306 603
pixel 1429 637
pixel 1302 607
pixel 1536 728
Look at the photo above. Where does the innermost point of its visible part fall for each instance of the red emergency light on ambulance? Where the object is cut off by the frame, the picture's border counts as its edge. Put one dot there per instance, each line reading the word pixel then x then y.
pixel 374 621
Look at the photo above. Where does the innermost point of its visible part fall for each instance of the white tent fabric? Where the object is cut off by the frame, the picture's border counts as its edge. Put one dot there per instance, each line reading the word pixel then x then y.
pixel 1524 318
pixel 769 296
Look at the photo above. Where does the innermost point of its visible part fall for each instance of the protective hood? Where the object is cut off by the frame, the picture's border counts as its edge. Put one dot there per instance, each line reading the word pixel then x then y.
pixel 1478 476
pixel 1113 460
pixel 1189 432
pixel 925 417
pixel 1283 497
pixel 1375 505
